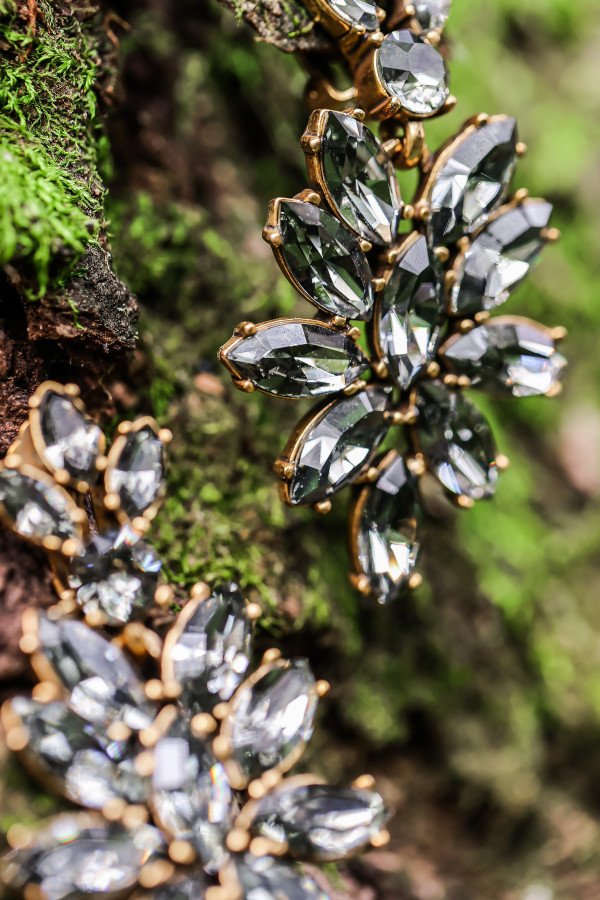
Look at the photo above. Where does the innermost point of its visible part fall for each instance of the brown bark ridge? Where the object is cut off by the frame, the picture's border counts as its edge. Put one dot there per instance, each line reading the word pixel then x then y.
pixel 286 25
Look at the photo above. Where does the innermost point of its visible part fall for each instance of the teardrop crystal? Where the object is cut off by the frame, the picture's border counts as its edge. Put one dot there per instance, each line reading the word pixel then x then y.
pixel 137 475
pixel 266 878
pixel 36 509
pixel 357 12
pixel 432 15
pixel 413 71
pixel 71 440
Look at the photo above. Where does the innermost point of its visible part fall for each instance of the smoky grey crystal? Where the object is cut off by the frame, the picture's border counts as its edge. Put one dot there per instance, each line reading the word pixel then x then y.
pixel 188 886
pixel 325 260
pixel 71 440
pixel 357 12
pixel 36 510
pixel 292 358
pixel 508 356
pixel 360 178
pixel 387 533
pixel 273 717
pixel 473 181
pixel 319 822
pixel 138 474
pixel 191 795
pixel 410 312
pixel 116 573
pixel 413 71
pixel 211 653
pixel 432 15
pixel 456 441
pixel 104 687
pixel 266 878
pixel 500 257
pixel 341 443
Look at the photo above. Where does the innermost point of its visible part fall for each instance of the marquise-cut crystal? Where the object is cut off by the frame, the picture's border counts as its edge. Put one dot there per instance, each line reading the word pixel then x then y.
pixel 341 442
pixel 508 355
pixel 291 358
pixel 325 260
pixel 472 181
pixel 104 687
pixel 456 441
pixel 320 823
pixel 191 796
pixel 432 15
pixel 137 476
pixel 273 717
pixel 211 653
pixel 266 878
pixel 357 12
pixel 360 178
pixel 76 857
pixel 35 509
pixel 413 71
pixel 71 440
pixel 188 886
pixel 410 311
pixel 387 532
pixel 116 573
pixel 500 257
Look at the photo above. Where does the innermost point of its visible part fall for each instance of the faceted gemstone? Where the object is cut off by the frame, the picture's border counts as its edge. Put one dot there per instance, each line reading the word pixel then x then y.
pixel 500 257
pixel 410 311
pixel 273 717
pixel 432 15
pixel 137 476
pixel 63 746
pixel 72 441
pixel 292 358
pixel 78 857
pixel 321 823
pixel 360 178
pixel 191 796
pixel 325 260
pixel 104 688
pixel 190 886
pixel 387 532
pixel 456 441
pixel 266 878
pixel 357 12
pixel 116 573
pixel 472 181
pixel 414 72
pixel 339 444
pixel 35 509
pixel 508 355
pixel 212 648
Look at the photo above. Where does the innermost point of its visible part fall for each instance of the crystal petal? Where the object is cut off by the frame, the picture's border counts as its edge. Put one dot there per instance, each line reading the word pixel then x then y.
pixel 266 878
pixel 432 15
pixel 35 507
pixel 137 475
pixel 357 12
pixel 71 440
pixel 413 71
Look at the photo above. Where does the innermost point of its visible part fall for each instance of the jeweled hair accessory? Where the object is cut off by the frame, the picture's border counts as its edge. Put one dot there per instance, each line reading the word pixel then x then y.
pixel 422 298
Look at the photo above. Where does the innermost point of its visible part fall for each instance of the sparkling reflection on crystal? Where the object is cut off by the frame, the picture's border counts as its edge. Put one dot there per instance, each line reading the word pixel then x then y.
pixel 414 72
pixel 36 510
pixel 72 441
pixel 138 475
pixel 360 178
pixel 456 441
pixel 500 257
pixel 190 886
pixel 289 358
pixel 266 878
pixel 432 15
pixel 357 12
pixel 341 443
pixel 508 355
pixel 325 260
pixel 410 312
pixel 387 535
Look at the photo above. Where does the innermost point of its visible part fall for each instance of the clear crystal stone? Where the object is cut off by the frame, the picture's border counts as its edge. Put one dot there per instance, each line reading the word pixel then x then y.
pixel 291 358
pixel 410 312
pixel 472 181
pixel 357 12
pixel 191 796
pixel 212 648
pixel 188 886
pixel 320 823
pixel 387 533
pixel 116 573
pixel 360 178
pixel 266 878
pixel 414 72
pixel 432 15
pixel 104 687
pixel 138 474
pixel 72 441
pixel 456 441
pixel 500 257
pixel 341 442
pixel 36 509
pixel 325 260
pixel 273 717
pixel 507 356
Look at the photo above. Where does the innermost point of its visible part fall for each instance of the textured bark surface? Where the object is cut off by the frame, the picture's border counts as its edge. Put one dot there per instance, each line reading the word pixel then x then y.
pixel 286 25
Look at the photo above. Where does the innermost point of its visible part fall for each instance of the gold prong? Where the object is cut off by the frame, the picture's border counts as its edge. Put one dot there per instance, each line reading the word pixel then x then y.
pixel 443 254
pixel 19 836
pixel 433 38
pixel 392 146
pixel 356 113
pixel 51 542
pixel 72 390
pixel 521 149
pixel 244 385
pixel 422 211
pixel 221 748
pixel 95 618
pixel 502 462
pixel 253 611
pixel 415 581
pixel 381 839
pixel 203 724
pixel 353 333
pixel 376 38
pixel 118 731
pixel 481 119
pixel 521 195
pixel 284 468
pixel 155 873
pixel 322 687
pixel 465 502
pixel 125 427
pixel 220 710
pixel 482 316
pixel 256 789
pixel 182 852
pixel 362 584
pixel 552 235
pixel 29 643
pixel 144 763
pixel 271 655
pixel 272 236
pixel 17 738
pixel 172 689
pixel 135 814
pixel 244 329
pixel 112 502
pixel 62 476
pixel 237 840
pixel 559 333
pixel 380 369
pixel 314 143
pixel 378 284
pixel 364 783
pixel 433 369
pixel 71 546
pixel 338 321
pixel 449 104
pixel 114 808
pixel 555 390
pixel 408 212
pixel 365 246
pixel 416 465
pixel 140 524
pixel 154 689
pixel 463 381
pixel 101 463
pixel 45 692
pixel 322 507
pixel 450 380
pixel 165 435
pixel 466 325
pixel 200 591
pixel 450 279
pixel 164 595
